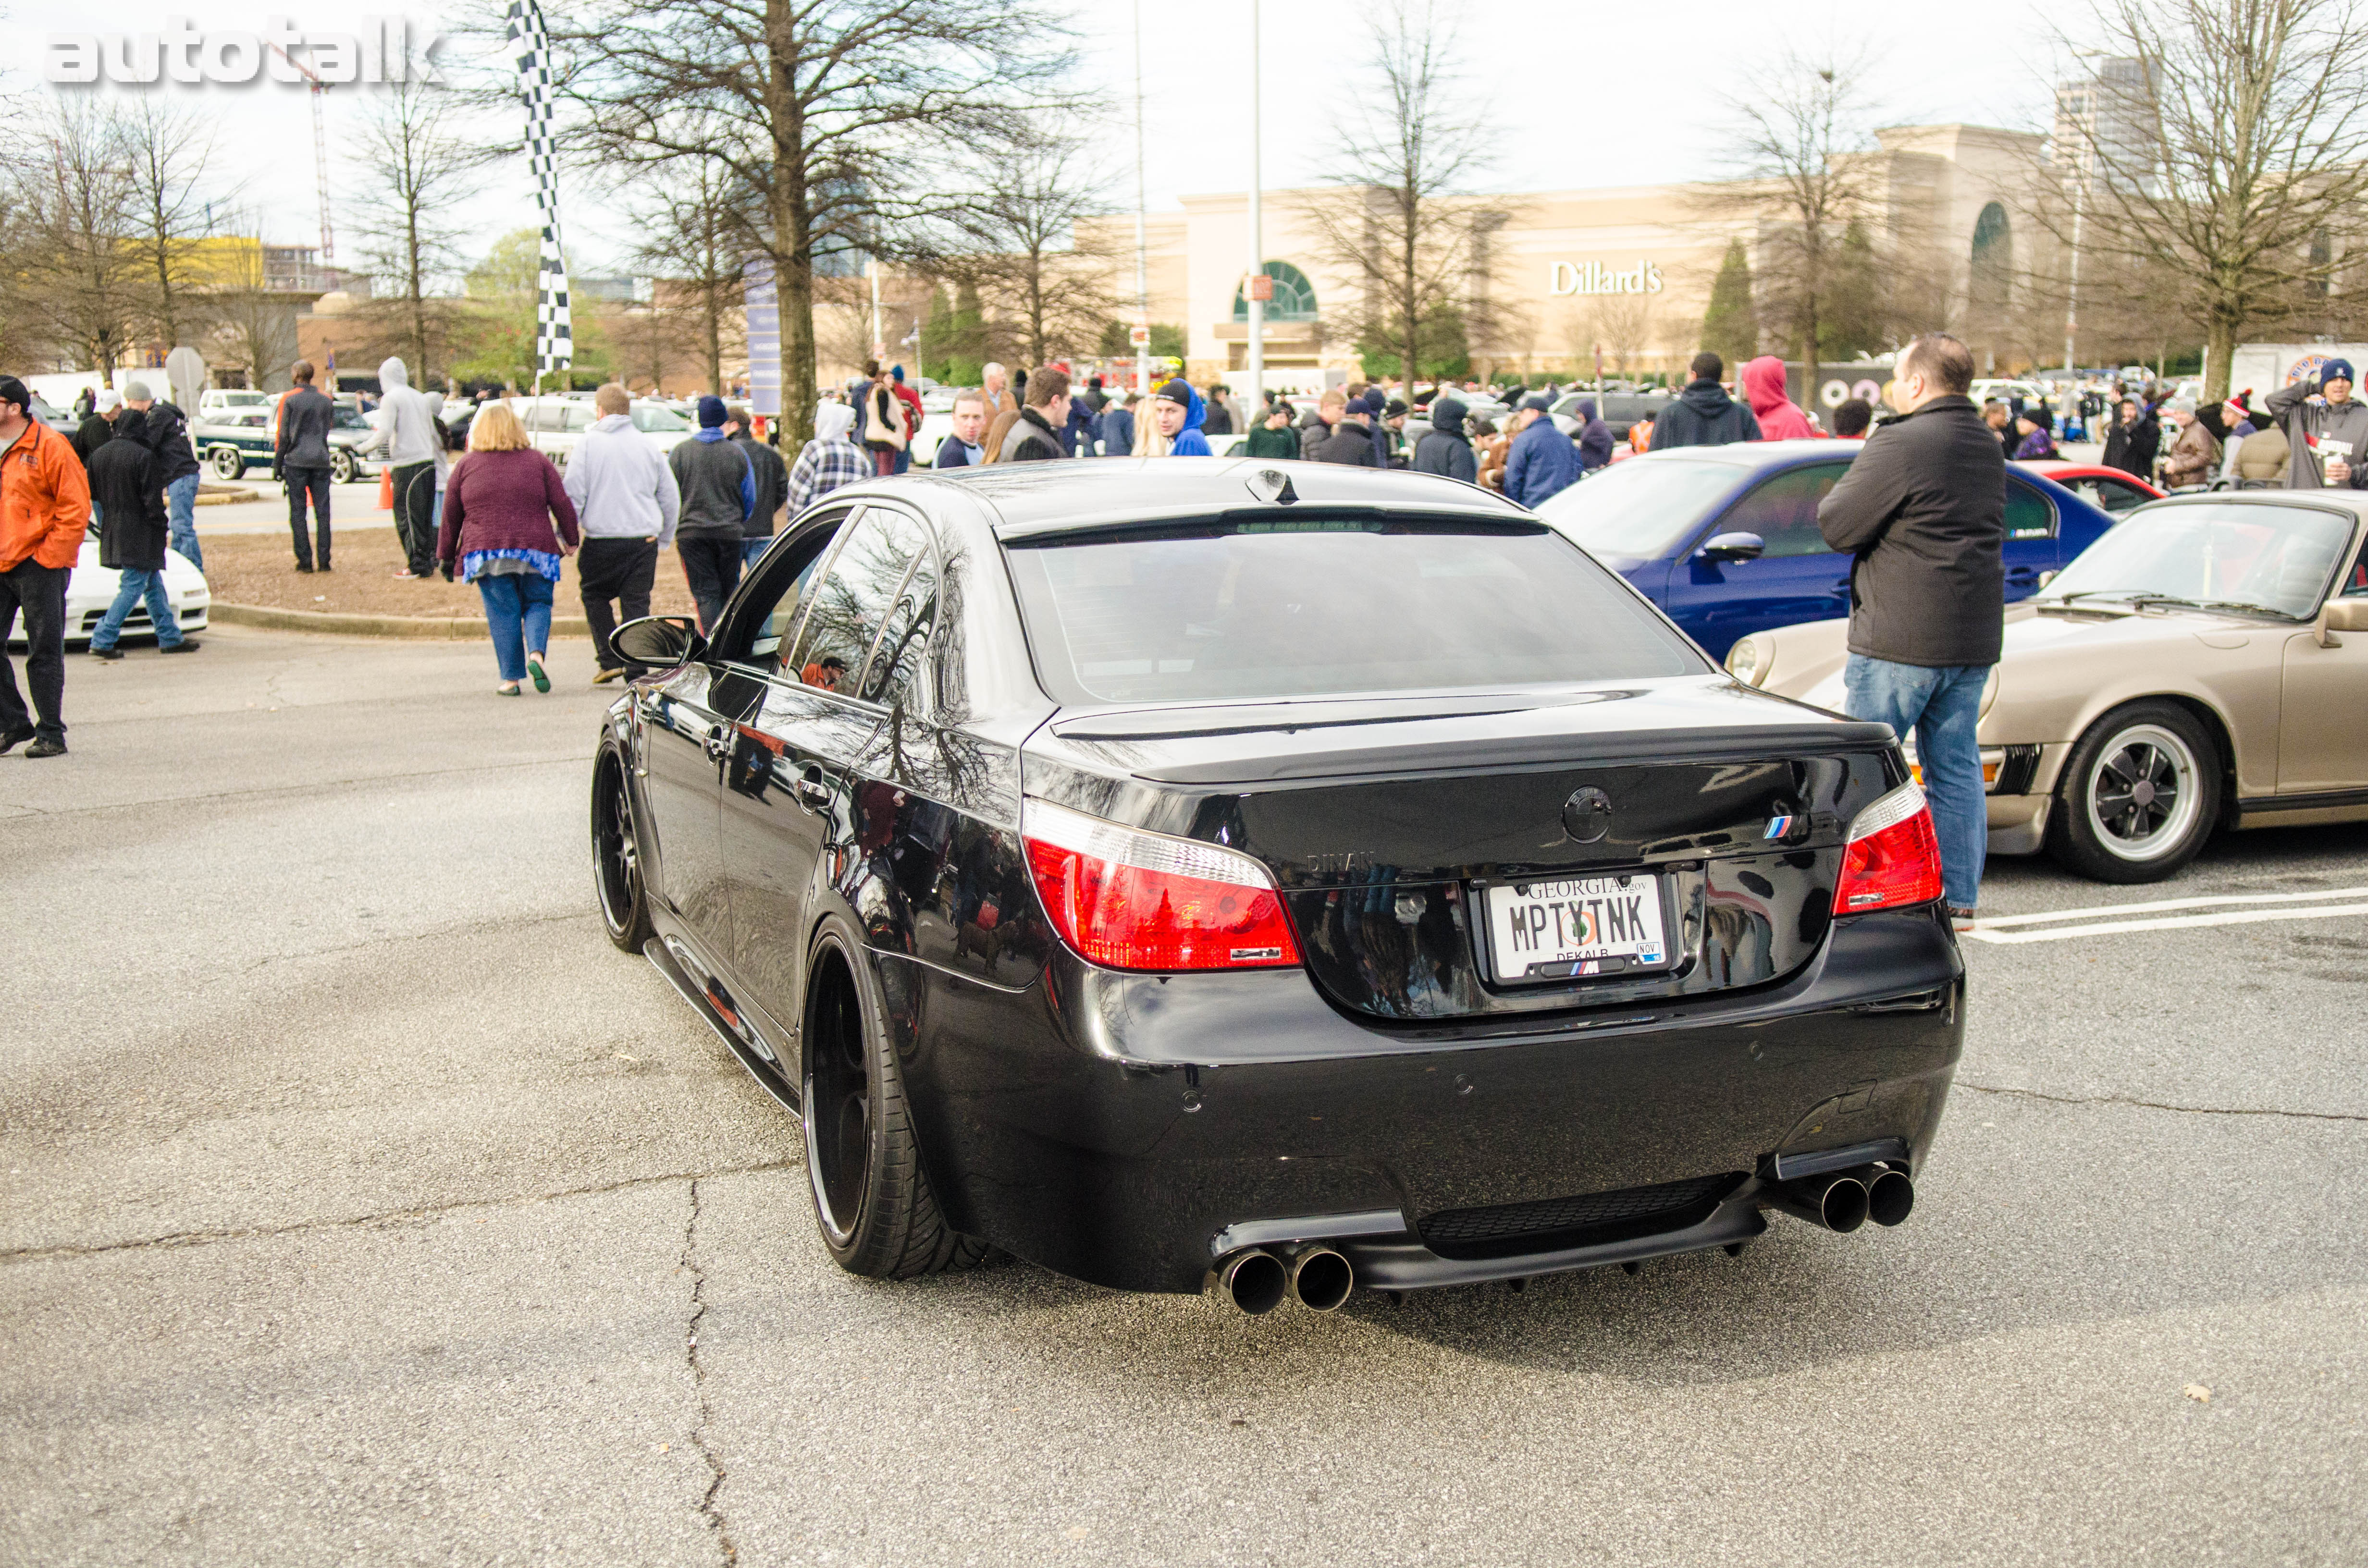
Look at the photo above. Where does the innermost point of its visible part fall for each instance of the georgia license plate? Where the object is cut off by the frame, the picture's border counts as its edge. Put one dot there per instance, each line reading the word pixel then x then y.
pixel 1554 930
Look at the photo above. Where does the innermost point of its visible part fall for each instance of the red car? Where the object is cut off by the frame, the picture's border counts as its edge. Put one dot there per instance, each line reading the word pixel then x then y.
pixel 2108 488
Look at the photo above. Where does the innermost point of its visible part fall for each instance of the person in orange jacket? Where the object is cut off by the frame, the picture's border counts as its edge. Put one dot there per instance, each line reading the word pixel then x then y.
pixel 44 510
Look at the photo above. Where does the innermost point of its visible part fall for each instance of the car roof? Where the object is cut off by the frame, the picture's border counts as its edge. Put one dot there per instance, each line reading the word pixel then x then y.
pixel 1752 454
pixel 1027 500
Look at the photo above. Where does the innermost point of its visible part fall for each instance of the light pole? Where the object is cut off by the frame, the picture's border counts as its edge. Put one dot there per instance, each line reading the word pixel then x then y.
pixel 1251 286
pixel 1142 253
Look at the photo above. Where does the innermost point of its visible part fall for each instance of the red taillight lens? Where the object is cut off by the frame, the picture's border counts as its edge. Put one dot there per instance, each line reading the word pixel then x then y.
pixel 1130 900
pixel 1892 858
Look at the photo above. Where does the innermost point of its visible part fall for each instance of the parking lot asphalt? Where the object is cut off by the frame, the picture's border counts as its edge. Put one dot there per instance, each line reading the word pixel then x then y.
pixel 362 1204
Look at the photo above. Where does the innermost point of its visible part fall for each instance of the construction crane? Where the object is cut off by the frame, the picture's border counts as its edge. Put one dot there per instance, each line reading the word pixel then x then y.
pixel 319 153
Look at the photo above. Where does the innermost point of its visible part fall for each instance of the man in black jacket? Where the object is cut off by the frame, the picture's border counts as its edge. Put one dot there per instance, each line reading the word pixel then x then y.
pixel 169 437
pixel 127 480
pixel 1703 415
pixel 1037 436
pixel 1922 512
pixel 1446 450
pixel 97 426
pixel 772 477
pixel 306 417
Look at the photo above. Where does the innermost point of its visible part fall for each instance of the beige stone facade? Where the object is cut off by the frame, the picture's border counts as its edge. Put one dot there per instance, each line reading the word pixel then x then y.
pixel 1627 270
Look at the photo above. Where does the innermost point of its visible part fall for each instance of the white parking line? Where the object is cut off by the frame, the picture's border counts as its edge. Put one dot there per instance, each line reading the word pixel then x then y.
pixel 2293 906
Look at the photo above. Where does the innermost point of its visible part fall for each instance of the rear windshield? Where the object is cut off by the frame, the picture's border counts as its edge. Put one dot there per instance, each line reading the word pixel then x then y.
pixel 1317 608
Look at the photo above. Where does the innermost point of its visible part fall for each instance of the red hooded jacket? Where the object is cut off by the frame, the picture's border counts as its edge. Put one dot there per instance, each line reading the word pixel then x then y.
pixel 1763 387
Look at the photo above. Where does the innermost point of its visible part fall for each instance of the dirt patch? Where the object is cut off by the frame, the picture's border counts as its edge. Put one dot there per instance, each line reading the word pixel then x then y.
pixel 260 568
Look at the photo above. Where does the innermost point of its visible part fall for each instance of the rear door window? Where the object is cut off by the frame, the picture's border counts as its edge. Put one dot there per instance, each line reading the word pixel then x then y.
pixel 1317 605
pixel 2029 515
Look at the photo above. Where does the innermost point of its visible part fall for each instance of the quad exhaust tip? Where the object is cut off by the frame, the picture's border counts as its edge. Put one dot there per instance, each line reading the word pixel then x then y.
pixel 1841 1201
pixel 1257 1282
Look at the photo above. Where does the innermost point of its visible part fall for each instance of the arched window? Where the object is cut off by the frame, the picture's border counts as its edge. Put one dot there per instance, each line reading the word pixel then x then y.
pixel 1295 296
pixel 1992 262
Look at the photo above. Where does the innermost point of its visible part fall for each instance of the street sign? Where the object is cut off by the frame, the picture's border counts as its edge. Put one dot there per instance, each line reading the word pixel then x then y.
pixel 764 312
pixel 1261 287
pixel 1138 336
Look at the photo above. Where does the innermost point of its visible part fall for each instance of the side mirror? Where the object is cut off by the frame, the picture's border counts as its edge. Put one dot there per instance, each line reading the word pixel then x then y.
pixel 2340 615
pixel 660 642
pixel 2047 578
pixel 1733 547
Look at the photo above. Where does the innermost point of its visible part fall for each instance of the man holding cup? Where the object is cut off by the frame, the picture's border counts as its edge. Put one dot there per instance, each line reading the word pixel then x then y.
pixel 2325 426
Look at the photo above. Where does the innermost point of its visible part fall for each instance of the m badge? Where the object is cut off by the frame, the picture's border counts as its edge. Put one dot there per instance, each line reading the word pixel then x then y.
pixel 1779 827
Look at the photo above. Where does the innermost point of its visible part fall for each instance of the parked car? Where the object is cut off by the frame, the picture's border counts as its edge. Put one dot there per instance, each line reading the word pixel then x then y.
pixel 2007 390
pixel 58 419
pixel 1619 410
pixel 2202 666
pixel 555 422
pixel 214 399
pixel 1726 538
pixel 90 590
pixel 2109 490
pixel 228 441
pixel 1195 880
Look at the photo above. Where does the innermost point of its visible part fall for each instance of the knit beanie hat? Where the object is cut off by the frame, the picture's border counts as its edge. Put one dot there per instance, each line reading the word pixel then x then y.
pixel 711 413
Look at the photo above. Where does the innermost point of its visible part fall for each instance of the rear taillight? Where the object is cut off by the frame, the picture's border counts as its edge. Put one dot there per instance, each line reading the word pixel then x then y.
pixel 1130 900
pixel 1892 858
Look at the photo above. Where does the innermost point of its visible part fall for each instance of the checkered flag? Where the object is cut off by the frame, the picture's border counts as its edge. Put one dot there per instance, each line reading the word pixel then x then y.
pixel 554 331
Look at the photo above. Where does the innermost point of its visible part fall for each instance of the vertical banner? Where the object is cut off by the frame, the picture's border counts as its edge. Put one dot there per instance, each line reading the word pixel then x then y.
pixel 554 329
pixel 764 309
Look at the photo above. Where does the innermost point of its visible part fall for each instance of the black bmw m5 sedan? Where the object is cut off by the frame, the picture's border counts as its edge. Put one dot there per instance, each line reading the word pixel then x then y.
pixel 1275 878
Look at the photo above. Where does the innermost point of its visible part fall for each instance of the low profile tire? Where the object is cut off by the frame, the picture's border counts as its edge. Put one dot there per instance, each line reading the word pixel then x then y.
pixel 2139 795
pixel 617 858
pixel 228 464
pixel 872 1198
pixel 341 466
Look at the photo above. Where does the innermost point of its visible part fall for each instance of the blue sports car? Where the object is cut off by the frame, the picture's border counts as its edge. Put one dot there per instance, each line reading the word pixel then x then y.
pixel 1726 540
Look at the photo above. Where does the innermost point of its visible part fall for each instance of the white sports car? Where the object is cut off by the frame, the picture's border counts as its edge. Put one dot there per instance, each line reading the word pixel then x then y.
pixel 92 588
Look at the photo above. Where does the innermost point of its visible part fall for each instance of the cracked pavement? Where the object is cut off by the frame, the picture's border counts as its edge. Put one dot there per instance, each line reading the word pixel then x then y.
pixel 362 1204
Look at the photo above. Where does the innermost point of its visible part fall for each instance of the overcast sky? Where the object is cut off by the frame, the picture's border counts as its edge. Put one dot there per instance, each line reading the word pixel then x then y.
pixel 1581 95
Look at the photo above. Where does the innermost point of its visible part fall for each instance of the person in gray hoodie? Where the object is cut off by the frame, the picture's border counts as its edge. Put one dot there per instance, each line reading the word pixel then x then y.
pixel 628 504
pixel 719 495
pixel 306 415
pixel 407 435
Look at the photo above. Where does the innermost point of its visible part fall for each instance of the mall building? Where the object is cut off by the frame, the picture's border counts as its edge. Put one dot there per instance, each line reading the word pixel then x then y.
pixel 1567 271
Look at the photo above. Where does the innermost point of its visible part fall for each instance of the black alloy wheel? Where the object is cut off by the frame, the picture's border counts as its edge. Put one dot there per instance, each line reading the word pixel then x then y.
pixel 872 1201
pixel 2139 795
pixel 617 857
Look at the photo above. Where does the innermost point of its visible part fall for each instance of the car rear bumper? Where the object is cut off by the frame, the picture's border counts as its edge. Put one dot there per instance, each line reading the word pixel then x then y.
pixel 1127 1130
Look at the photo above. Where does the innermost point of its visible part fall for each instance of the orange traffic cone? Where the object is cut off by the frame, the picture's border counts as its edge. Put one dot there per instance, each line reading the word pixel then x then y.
pixel 386 487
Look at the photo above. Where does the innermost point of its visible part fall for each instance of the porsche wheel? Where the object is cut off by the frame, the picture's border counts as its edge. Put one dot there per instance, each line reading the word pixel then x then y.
pixel 871 1198
pixel 341 466
pixel 2139 795
pixel 617 859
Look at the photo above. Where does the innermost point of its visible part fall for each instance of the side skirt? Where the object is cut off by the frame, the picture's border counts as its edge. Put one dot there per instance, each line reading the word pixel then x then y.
pixel 667 964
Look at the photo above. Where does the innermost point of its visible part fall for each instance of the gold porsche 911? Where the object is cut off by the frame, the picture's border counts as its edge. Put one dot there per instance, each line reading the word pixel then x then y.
pixel 2203 665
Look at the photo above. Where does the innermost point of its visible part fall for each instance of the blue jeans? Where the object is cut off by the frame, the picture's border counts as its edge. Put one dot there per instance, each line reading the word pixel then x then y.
pixel 138 585
pixel 181 509
pixel 1943 708
pixel 517 612
pixel 752 548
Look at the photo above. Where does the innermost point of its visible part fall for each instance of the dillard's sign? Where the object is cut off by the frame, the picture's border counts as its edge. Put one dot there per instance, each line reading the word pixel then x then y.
pixel 1594 278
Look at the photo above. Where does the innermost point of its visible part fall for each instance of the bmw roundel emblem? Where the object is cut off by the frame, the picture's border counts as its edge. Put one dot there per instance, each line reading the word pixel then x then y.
pixel 1586 815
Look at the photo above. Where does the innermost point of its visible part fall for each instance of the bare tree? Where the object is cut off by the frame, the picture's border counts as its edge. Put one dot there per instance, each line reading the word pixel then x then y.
pixel 835 115
pixel 694 221
pixel 1620 325
pixel 2231 163
pixel 1016 240
pixel 254 324
pixel 77 268
pixel 414 168
pixel 1412 143
pixel 175 192
pixel 1801 126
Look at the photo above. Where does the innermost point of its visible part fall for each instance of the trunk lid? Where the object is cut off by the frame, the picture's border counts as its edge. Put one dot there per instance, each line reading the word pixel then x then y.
pixel 1393 826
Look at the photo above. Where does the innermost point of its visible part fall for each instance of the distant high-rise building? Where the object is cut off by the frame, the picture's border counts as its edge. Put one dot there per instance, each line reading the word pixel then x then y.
pixel 2106 129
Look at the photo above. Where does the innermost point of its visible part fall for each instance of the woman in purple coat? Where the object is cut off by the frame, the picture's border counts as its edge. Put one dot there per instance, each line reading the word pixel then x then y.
pixel 500 505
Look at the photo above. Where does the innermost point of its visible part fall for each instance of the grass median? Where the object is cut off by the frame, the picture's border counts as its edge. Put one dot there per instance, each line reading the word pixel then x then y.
pixel 260 568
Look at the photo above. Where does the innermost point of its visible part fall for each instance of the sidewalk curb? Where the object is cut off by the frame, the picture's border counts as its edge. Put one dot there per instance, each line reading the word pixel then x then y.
pixel 405 627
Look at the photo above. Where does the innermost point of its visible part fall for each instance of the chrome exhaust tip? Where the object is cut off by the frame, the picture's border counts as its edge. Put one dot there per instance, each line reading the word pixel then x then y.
pixel 1321 1278
pixel 1890 1196
pixel 1252 1279
pixel 1836 1201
